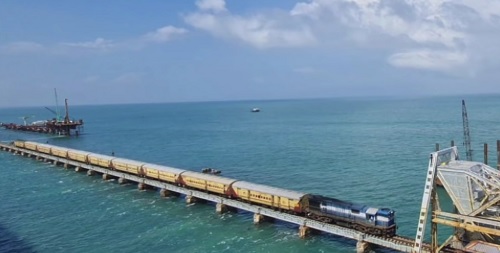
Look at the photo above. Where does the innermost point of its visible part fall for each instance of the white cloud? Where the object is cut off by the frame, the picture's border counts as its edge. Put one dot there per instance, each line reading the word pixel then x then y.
pixel 422 21
pixel 257 30
pixel 211 5
pixel 20 47
pixel 487 9
pixel 99 43
pixel 425 34
pixel 164 34
pixel 161 35
pixel 429 33
pixel 411 24
pixel 428 59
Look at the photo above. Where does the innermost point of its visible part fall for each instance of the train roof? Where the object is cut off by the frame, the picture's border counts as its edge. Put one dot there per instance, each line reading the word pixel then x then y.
pixel 101 156
pixel 325 198
pixel 78 151
pixel 45 145
pixel 338 202
pixel 128 161
pixel 269 189
pixel 163 168
pixel 371 210
pixel 54 146
pixel 208 177
pixel 38 144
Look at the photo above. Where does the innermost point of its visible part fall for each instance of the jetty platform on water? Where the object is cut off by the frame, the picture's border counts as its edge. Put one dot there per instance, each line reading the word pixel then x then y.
pixel 63 127
pixel 66 128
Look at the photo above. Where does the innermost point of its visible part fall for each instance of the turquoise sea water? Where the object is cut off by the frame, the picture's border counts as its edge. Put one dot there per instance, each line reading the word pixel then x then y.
pixel 372 151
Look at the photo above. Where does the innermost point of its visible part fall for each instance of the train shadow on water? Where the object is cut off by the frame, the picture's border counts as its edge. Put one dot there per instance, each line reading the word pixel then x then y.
pixel 10 242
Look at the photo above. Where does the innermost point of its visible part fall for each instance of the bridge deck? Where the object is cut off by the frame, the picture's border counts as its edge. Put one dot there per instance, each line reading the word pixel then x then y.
pixel 398 243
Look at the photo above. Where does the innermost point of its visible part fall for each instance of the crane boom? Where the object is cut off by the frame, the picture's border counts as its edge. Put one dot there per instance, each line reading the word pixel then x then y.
pixel 58 115
pixel 54 112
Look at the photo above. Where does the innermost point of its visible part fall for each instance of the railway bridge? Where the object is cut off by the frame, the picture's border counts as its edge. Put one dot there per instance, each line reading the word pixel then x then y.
pixel 260 213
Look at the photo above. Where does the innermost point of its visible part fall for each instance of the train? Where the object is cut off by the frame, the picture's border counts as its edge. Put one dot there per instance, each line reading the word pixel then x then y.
pixel 366 219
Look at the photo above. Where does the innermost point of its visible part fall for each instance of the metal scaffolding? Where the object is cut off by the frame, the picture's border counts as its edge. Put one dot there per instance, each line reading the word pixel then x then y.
pixel 474 188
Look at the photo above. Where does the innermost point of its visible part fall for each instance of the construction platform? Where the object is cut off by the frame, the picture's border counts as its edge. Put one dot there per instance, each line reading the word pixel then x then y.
pixel 58 125
pixel 66 128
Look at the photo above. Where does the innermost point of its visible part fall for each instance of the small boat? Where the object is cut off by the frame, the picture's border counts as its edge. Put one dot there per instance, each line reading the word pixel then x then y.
pixel 211 171
pixel 255 109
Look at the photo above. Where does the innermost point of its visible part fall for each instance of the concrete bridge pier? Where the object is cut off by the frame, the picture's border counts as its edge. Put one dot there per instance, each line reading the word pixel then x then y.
pixel 166 193
pixel 191 199
pixel 142 186
pixel 90 173
pixel 304 231
pixel 106 176
pixel 259 218
pixel 78 169
pixel 221 208
pixel 122 180
pixel 362 247
pixel 55 162
pixel 65 165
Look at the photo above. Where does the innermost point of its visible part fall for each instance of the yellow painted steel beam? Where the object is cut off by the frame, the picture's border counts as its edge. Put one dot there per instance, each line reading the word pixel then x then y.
pixel 467 226
pixel 484 206
pixel 448 241
pixel 466 218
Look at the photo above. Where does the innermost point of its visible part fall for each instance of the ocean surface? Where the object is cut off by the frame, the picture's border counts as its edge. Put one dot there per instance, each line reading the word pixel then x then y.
pixel 366 150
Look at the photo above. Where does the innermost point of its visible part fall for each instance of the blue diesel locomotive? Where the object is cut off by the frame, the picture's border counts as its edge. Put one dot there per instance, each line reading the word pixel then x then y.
pixel 376 221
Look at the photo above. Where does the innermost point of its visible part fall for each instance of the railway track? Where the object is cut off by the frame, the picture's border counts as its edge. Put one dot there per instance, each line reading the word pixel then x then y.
pixel 399 243
pixel 404 241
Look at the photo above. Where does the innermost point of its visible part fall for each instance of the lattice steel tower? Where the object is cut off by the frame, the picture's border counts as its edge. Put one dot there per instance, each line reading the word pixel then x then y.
pixel 468 149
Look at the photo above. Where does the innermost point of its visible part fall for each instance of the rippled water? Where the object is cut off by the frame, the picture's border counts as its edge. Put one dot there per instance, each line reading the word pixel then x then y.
pixel 371 151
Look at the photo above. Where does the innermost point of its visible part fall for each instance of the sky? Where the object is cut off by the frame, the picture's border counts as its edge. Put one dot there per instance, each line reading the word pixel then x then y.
pixel 157 51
